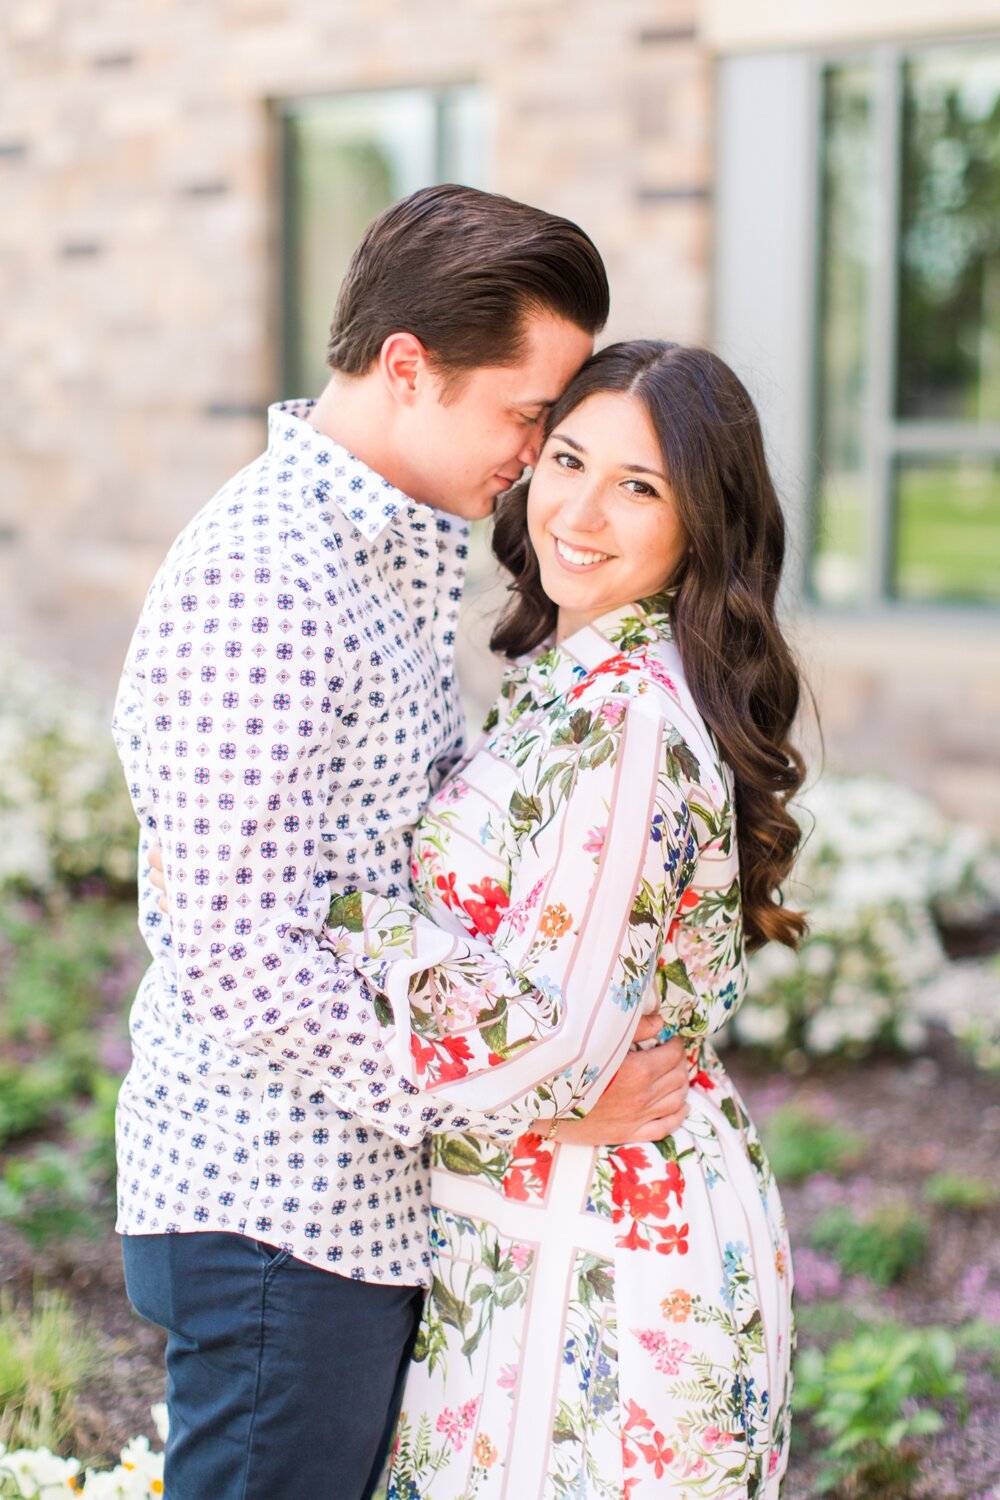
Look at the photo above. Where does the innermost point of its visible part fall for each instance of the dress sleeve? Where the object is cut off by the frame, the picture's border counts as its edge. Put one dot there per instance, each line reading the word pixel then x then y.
pixel 538 1022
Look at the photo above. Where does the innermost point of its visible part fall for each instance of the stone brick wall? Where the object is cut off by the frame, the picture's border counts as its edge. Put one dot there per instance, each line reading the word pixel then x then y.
pixel 139 256
pixel 139 239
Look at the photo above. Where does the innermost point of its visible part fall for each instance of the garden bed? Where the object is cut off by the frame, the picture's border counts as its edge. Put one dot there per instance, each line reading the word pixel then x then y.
pixel 917 1119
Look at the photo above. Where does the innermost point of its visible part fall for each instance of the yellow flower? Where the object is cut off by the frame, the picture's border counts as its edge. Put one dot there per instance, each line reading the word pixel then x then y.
pixel 484 1450
pixel 677 1307
pixel 555 921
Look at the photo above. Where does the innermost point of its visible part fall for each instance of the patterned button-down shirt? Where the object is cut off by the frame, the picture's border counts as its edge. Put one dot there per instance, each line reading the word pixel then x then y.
pixel 287 705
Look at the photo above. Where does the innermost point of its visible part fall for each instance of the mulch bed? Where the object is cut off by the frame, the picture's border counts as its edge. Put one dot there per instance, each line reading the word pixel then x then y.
pixel 927 1115
pixel 917 1117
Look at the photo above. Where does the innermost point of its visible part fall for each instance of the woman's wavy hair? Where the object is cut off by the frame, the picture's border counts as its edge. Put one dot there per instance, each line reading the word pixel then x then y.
pixel 740 669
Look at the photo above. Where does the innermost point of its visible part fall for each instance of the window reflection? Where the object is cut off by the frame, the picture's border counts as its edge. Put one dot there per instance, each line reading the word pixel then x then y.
pixel 345 159
pixel 948 530
pixel 949 313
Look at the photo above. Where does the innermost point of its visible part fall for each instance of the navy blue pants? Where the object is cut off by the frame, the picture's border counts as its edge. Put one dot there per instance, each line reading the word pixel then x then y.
pixel 283 1381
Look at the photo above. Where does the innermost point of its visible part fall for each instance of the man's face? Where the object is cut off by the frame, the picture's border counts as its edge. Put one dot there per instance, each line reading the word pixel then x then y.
pixel 465 446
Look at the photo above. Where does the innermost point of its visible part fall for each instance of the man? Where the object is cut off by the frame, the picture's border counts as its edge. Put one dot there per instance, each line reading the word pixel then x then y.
pixel 287 704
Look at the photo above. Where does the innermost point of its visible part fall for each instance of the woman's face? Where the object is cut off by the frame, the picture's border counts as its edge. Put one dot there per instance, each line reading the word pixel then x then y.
pixel 601 515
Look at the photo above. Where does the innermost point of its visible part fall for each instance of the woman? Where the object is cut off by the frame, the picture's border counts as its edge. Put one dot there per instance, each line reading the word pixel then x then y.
pixel 612 1321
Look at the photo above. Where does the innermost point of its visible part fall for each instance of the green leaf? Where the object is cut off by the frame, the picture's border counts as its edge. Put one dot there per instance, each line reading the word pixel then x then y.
pixel 495 1036
pixel 677 974
pixel 601 1282
pixel 525 810
pixel 451 1311
pixel 472 1344
pixel 457 1155
pixel 347 911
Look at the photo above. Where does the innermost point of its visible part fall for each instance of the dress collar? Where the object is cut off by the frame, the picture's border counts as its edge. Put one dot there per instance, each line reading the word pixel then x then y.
pixel 628 628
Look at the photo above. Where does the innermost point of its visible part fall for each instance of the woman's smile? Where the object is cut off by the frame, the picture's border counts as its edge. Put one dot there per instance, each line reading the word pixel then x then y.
pixel 578 557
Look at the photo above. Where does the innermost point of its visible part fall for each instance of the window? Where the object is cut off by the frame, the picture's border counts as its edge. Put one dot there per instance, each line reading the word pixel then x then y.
pixel 344 159
pixel 907 488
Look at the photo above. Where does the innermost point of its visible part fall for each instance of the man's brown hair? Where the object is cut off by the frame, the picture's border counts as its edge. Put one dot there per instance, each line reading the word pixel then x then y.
pixel 460 269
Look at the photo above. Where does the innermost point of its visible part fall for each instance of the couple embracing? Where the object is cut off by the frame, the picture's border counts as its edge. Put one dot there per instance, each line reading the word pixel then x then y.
pixel 425 1151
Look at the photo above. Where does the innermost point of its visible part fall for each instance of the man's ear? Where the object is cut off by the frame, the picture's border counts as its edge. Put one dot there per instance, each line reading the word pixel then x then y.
pixel 404 367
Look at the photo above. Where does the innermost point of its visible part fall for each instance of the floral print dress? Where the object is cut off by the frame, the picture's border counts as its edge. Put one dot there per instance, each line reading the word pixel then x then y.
pixel 611 1322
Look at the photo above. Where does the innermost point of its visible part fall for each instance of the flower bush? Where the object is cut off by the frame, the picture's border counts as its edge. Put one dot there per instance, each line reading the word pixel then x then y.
pixel 65 810
pixel 880 870
pixel 28 1473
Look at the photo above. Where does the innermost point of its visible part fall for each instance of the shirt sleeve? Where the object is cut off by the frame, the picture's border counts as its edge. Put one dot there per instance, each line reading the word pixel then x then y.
pixel 538 1022
pixel 226 745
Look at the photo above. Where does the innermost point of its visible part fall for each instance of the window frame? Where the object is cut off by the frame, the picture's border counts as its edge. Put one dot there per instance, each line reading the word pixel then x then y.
pixel 888 438
pixel 287 353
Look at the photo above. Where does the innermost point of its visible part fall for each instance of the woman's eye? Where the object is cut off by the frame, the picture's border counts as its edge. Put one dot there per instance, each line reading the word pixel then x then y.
pixel 567 460
pixel 639 487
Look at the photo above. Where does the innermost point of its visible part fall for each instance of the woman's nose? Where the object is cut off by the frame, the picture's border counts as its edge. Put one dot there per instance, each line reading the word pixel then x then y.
pixel 582 508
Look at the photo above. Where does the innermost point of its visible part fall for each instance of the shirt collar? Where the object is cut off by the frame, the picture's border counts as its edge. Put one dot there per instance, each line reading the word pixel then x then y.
pixel 337 477
pixel 628 628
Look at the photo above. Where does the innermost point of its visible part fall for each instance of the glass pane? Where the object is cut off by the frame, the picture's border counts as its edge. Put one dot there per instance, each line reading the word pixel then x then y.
pixel 848 238
pixel 948 530
pixel 949 311
pixel 346 158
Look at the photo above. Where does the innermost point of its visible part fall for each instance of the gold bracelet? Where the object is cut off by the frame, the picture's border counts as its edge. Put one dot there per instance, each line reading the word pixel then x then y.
pixel 550 1134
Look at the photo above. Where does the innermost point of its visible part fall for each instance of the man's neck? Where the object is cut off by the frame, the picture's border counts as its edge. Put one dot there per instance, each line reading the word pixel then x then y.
pixel 354 411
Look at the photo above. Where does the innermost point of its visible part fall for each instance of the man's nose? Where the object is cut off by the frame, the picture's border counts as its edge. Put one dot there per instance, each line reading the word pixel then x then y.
pixel 528 454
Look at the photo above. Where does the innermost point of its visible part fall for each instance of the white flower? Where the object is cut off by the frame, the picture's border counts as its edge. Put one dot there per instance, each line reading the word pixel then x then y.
pixel 37 1471
pixel 159 1416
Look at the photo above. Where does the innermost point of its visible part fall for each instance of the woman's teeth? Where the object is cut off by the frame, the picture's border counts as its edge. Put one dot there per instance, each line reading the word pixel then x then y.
pixel 581 559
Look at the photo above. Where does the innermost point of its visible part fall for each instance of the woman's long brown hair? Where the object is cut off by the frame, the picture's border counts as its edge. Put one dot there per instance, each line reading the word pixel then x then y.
pixel 738 665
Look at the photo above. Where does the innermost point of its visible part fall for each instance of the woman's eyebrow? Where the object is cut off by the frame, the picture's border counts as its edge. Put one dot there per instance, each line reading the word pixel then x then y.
pixel 641 469
pixel 563 437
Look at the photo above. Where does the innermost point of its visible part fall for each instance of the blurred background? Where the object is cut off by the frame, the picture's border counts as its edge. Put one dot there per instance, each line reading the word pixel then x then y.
pixel 812 187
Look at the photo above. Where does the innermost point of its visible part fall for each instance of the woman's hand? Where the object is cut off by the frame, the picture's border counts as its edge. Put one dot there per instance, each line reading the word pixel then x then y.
pixel 645 1101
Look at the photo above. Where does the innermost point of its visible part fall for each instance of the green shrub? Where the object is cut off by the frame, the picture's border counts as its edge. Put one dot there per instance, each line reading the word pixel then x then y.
pixel 955 1190
pixel 30 1096
pixel 47 1357
pixel 882 1246
pixel 819 1321
pixel 982 1337
pixel 55 963
pixel 863 1393
pixel 50 1196
pixel 799 1144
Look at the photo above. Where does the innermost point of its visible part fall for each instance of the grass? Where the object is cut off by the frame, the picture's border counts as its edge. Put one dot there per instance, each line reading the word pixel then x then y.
pixel 47 1358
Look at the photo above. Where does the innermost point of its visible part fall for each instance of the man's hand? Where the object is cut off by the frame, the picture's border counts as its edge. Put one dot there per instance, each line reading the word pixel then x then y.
pixel 645 1101
pixel 157 876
